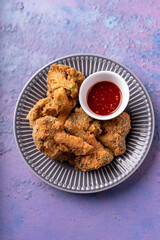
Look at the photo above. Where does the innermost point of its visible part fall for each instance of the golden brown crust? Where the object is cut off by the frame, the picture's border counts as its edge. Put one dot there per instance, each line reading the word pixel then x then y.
pixel 59 105
pixel 120 124
pixel 50 138
pixel 82 120
pixel 115 132
pixel 98 159
pixel 66 77
pixel 40 109
pixel 75 144
pixel 100 156
pixel 43 134
pixel 63 85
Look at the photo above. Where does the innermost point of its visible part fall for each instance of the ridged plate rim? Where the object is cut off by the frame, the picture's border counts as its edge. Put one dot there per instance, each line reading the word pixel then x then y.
pixel 118 181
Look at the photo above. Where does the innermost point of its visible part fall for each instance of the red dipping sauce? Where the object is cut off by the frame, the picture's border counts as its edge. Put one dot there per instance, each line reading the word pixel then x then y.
pixel 104 98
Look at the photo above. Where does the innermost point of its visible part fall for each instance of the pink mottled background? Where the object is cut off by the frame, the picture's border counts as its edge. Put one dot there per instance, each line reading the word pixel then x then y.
pixel 32 33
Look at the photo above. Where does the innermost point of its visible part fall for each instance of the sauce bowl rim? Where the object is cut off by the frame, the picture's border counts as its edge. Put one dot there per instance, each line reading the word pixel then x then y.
pixel 95 78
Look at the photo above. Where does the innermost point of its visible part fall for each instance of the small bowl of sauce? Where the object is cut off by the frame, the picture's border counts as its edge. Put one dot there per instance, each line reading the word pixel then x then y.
pixel 104 95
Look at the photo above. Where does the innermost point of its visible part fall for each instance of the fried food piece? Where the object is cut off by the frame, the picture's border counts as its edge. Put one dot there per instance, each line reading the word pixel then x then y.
pixel 100 156
pixel 95 128
pixel 50 138
pixel 43 134
pixel 66 103
pixel 45 106
pixel 114 142
pixel 76 130
pixel 63 85
pixel 60 104
pixel 74 144
pixel 115 132
pixel 120 124
pixel 85 122
pixel 66 77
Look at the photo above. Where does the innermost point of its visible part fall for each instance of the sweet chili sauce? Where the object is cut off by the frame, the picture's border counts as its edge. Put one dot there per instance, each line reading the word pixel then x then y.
pixel 104 98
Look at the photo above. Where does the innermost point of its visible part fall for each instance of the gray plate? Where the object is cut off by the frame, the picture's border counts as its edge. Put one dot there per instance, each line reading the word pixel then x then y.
pixel 62 175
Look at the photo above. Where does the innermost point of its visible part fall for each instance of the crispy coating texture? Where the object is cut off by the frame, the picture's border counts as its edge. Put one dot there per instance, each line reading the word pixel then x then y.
pixel 74 144
pixel 66 77
pixel 65 102
pixel 85 122
pixel 43 134
pixel 63 84
pixel 60 105
pixel 115 132
pixel 50 138
pixel 43 107
pixel 100 156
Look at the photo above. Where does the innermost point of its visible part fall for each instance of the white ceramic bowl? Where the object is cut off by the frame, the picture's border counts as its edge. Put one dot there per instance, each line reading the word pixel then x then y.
pixel 98 77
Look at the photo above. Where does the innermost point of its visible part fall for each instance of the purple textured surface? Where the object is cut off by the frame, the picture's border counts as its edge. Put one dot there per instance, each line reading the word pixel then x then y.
pixel 32 33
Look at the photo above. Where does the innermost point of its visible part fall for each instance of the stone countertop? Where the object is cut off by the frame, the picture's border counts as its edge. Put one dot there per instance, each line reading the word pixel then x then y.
pixel 33 33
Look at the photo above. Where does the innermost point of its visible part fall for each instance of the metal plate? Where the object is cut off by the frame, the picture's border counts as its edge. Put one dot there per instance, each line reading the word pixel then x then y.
pixel 62 175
